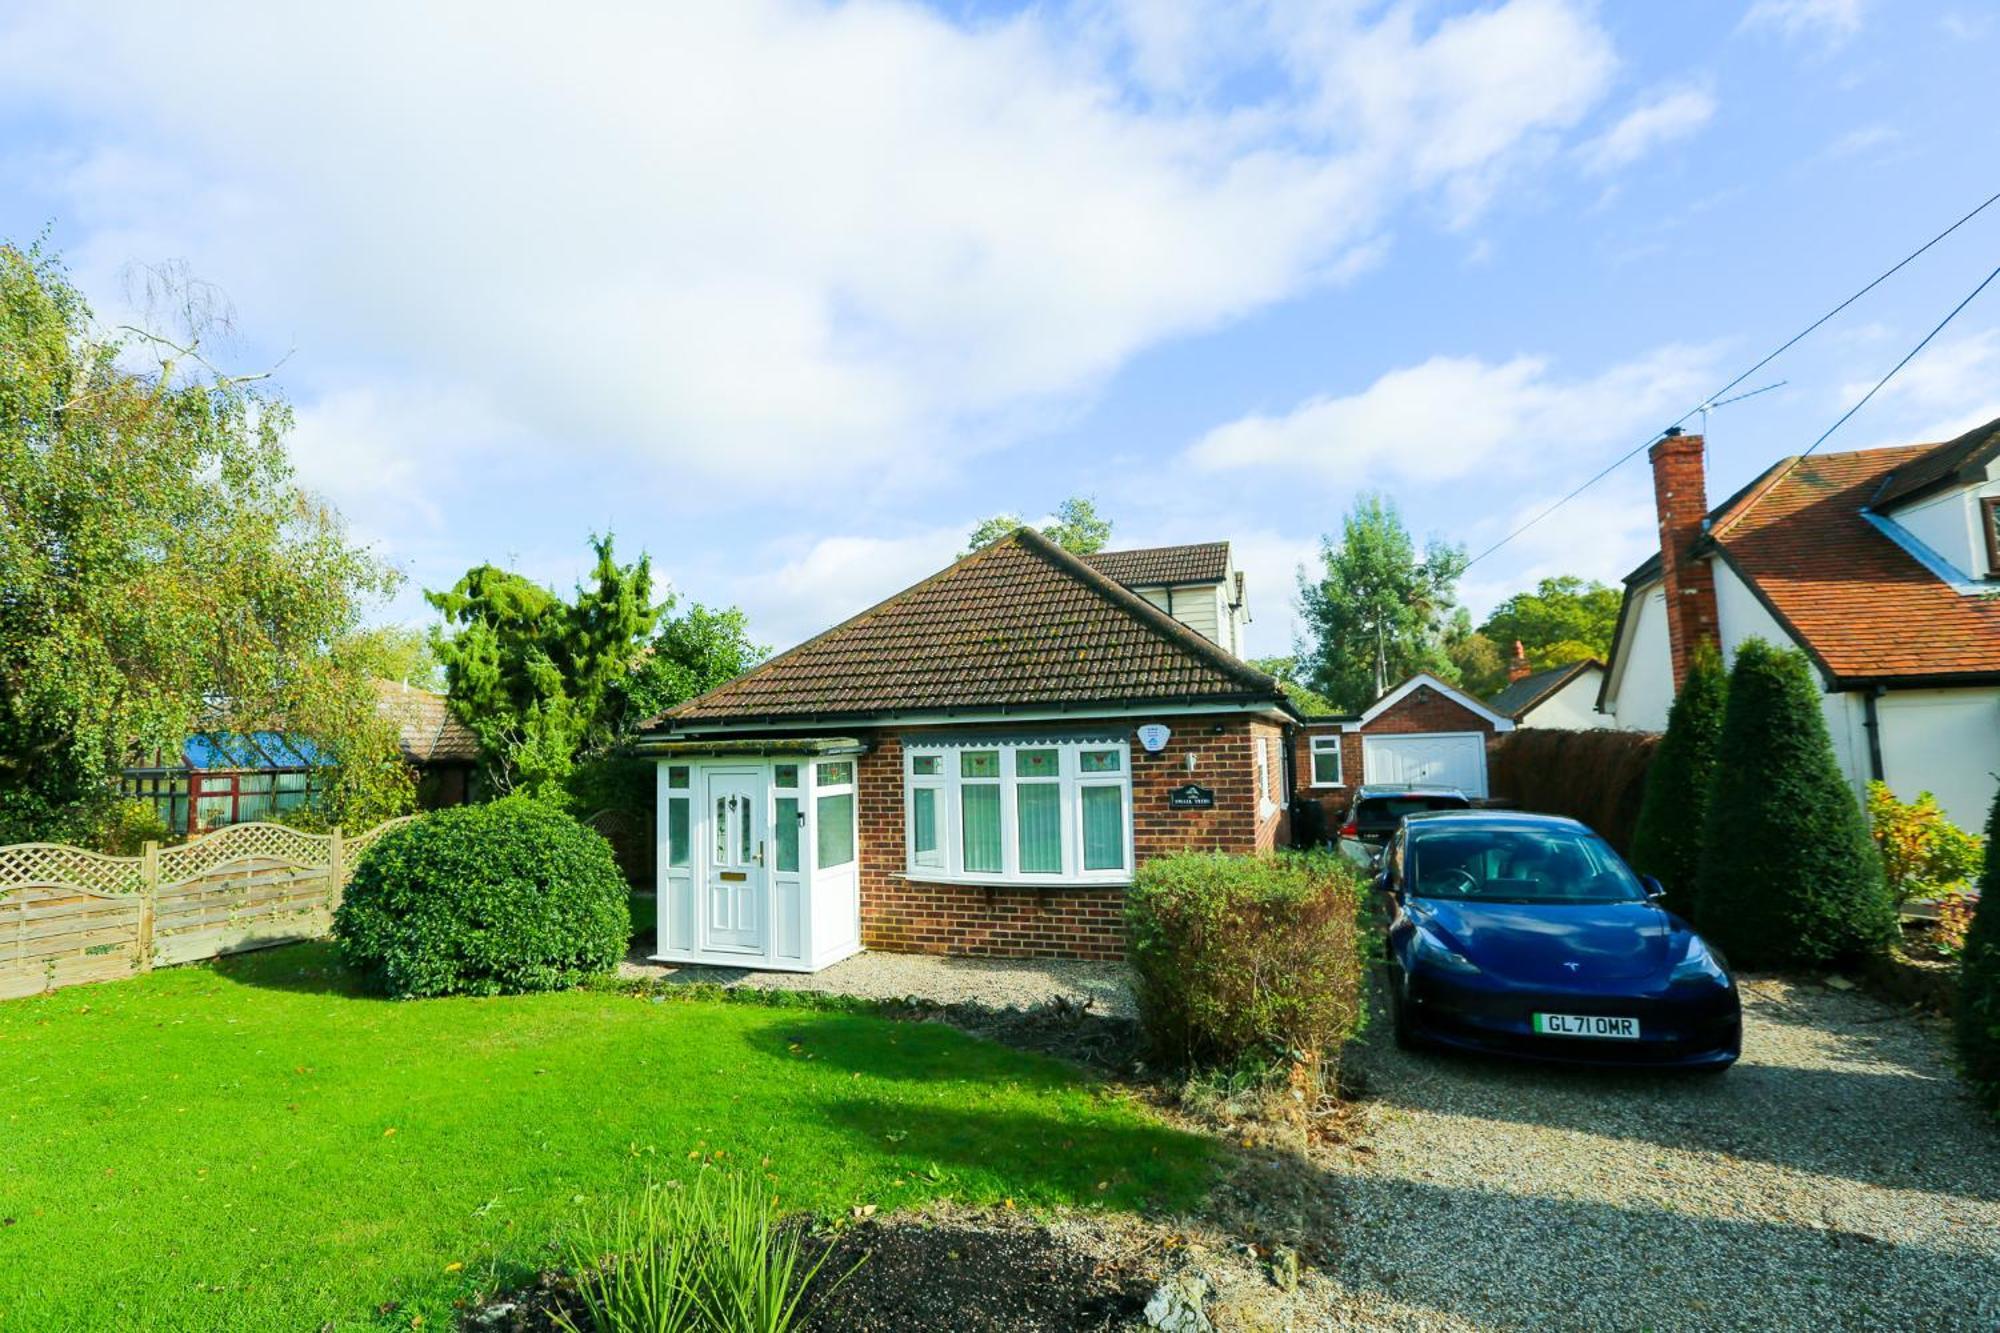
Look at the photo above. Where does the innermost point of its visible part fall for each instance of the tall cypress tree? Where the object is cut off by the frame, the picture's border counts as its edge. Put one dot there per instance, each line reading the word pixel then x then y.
pixel 1667 841
pixel 1788 875
pixel 1978 1014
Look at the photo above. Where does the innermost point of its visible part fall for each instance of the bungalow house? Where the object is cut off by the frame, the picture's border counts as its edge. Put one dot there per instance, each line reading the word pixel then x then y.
pixel 1882 564
pixel 975 765
pixel 1558 698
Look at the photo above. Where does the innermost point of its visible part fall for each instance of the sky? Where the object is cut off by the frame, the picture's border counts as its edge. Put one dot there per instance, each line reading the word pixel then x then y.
pixel 790 295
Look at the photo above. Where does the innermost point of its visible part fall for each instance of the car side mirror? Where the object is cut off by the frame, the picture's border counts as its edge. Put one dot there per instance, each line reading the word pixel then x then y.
pixel 1384 883
pixel 1654 889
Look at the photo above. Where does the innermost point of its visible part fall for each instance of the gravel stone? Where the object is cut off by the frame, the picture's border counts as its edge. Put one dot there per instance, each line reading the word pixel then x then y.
pixel 1837 1178
pixel 996 983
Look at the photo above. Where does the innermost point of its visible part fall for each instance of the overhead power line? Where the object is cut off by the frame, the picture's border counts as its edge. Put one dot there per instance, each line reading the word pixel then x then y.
pixel 1709 400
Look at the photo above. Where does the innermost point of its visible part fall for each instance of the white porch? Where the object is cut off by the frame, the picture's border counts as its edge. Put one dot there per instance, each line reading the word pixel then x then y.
pixel 758 853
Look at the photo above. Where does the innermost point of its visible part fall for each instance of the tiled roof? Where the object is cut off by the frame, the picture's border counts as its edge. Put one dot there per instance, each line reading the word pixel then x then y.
pixel 1523 694
pixel 426 731
pixel 1865 607
pixel 1203 562
pixel 1940 465
pixel 1019 623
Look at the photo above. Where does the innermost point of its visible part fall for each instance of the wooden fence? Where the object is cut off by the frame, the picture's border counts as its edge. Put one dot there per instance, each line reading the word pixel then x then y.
pixel 68 915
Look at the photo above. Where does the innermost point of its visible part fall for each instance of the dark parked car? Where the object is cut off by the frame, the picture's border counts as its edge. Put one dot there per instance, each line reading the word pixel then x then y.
pixel 1526 935
pixel 1375 813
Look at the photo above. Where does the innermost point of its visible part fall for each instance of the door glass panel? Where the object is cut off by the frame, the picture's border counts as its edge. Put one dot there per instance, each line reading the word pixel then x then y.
pixel 979 810
pixel 677 833
pixel 1103 828
pixel 836 830
pixel 1038 813
pixel 743 822
pixel 786 834
pixel 722 830
pixel 923 827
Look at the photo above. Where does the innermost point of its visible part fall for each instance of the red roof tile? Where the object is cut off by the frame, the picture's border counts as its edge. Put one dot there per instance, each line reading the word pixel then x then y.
pixel 1019 623
pixel 1204 562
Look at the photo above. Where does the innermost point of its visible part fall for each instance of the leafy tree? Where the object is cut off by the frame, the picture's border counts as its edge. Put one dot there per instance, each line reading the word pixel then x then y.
pixel 1076 527
pixel 1480 663
pixel 1375 613
pixel 1674 810
pixel 691 655
pixel 1977 1016
pixel 161 573
pixel 1565 619
pixel 1285 670
pixel 537 679
pixel 1788 874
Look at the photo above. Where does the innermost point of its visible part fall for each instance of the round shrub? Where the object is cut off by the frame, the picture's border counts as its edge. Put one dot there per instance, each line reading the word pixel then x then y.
pixel 1977 1015
pixel 485 900
pixel 1789 875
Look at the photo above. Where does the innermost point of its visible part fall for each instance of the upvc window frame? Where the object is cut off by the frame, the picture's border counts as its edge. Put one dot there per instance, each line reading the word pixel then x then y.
pixel 1315 747
pixel 944 781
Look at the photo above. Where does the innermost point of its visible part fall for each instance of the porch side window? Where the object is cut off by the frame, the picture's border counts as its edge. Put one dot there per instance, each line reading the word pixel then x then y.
pixel 833 814
pixel 677 816
pixel 1029 811
pixel 1326 761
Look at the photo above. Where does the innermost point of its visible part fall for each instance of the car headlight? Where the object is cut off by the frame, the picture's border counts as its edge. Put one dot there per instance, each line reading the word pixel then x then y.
pixel 1433 952
pixel 1700 964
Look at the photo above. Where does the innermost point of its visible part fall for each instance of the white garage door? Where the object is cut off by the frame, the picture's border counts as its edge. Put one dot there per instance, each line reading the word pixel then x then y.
pixel 1429 759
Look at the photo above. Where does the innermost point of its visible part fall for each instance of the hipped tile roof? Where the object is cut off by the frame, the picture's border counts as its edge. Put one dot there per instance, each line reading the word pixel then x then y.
pixel 426 730
pixel 1523 694
pixel 1151 566
pixel 1863 606
pixel 1019 623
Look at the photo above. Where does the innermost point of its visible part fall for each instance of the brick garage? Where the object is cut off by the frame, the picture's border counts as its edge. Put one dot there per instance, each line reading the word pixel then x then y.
pixel 902 914
pixel 1421 706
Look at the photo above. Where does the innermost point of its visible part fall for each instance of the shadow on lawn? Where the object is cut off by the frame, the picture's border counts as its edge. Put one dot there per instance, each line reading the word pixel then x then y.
pixel 908 1051
pixel 312 968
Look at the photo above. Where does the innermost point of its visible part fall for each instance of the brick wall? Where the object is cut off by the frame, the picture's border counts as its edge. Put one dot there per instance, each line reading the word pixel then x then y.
pixel 1680 497
pixel 1422 710
pixel 901 915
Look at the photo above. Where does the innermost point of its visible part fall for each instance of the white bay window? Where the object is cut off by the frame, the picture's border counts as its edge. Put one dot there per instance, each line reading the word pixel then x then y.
pixel 1024 812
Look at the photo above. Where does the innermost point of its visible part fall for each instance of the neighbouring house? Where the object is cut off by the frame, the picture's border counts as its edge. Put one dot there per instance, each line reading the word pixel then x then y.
pixel 1558 698
pixel 974 766
pixel 1422 733
pixel 218 779
pixel 1882 564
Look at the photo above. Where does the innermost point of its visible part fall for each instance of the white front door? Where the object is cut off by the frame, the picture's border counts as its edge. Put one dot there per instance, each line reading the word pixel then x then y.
pixel 1426 759
pixel 734 912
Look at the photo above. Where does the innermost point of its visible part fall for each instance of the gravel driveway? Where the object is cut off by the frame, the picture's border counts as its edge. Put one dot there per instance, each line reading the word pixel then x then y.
pixel 1836 1178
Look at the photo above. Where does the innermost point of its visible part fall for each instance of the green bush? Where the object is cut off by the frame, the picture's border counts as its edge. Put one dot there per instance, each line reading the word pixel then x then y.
pixel 485 900
pixel 711 1257
pixel 1977 1016
pixel 1246 957
pixel 1667 842
pixel 1789 875
pixel 1924 855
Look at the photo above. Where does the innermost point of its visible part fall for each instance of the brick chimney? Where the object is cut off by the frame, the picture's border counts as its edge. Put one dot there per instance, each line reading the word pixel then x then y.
pixel 1680 494
pixel 1517 665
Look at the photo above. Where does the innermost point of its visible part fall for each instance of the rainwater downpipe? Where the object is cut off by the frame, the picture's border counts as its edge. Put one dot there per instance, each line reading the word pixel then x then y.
pixel 1871 721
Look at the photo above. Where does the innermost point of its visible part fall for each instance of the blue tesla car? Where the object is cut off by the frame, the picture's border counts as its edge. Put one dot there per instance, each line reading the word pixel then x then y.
pixel 1526 935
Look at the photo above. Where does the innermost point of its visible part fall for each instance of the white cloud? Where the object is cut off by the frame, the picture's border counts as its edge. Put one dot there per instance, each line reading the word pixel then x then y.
pixel 1951 387
pixel 1602 534
pixel 1864 140
pixel 1449 417
pixel 1664 118
pixel 833 578
pixel 1828 22
pixel 836 240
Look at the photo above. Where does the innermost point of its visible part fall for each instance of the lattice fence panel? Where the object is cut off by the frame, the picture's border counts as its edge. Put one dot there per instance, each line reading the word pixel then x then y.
pixel 238 842
pixel 53 863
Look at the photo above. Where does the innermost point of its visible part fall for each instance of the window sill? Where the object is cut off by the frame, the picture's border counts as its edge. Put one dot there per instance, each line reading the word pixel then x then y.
pixel 1327 786
pixel 1001 882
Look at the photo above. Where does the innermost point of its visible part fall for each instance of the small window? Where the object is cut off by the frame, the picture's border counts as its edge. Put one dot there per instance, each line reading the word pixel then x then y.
pixel 926 766
pixel 1326 761
pixel 786 776
pixel 786 834
pixel 979 764
pixel 1103 828
pixel 979 826
pixel 677 833
pixel 1037 764
pixel 1989 524
pixel 925 849
pixel 677 778
pixel 835 833
pixel 1102 761
pixel 836 773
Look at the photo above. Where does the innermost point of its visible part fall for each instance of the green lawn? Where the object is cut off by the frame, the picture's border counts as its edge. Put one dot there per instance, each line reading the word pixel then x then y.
pixel 257 1145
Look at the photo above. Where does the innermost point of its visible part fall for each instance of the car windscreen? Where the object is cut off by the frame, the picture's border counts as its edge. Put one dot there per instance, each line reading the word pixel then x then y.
pixel 1388 811
pixel 1516 865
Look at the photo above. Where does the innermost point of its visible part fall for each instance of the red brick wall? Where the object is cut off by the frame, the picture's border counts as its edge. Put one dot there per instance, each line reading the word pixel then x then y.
pixel 1680 497
pixel 901 915
pixel 1424 709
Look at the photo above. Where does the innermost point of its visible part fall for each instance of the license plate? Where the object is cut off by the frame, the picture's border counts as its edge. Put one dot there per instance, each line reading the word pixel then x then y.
pixel 1587 1025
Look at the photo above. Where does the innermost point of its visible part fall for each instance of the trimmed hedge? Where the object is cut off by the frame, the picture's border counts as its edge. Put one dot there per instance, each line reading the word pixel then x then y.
pixel 1667 841
pixel 1977 1017
pixel 485 900
pixel 1789 875
pixel 1246 957
pixel 1598 777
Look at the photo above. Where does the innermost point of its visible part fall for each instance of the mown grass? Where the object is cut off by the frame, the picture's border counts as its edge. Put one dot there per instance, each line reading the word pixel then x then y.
pixel 260 1144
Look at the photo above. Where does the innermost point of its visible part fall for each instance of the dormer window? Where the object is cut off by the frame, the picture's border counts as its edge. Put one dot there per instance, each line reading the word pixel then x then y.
pixel 1989 527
